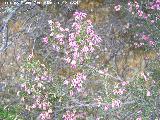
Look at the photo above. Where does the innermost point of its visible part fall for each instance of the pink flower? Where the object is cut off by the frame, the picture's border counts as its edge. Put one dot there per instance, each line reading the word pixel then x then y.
pixel 59 36
pixel 96 39
pixel 145 37
pixel 66 82
pixel 116 103
pixel 91 49
pixel 130 6
pixel 119 91
pixel 148 93
pixel 57 24
pixel 117 8
pixel 69 116
pixel 24 86
pixel 152 21
pixel 140 13
pixel 155 5
pixel 73 44
pixel 79 15
pixel 50 22
pixel 61 42
pixel 75 55
pixel 81 60
pixel 45 40
pixel 43 77
pixel 40 106
pixel 145 16
pixel 45 116
pixel 73 63
pixel 124 83
pixel 45 105
pixel 66 29
pixel 18 57
pixel 34 106
pixel 68 60
pixel 115 92
pixel 61 29
pixel 97 118
pixel 139 118
pixel 78 81
pixel 106 107
pixel 137 6
pixel 85 49
pixel 56 48
pixel 71 37
pixel 30 56
pixel 151 42
pixel 76 26
pixel 89 30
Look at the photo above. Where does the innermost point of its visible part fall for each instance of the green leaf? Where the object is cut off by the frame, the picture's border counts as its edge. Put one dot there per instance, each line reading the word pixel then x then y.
pixel 3 113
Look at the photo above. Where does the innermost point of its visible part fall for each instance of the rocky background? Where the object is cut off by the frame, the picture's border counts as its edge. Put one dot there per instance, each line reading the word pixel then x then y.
pixel 23 27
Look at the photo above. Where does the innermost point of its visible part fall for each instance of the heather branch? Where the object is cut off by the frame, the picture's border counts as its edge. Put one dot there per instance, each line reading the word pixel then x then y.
pixel 91 105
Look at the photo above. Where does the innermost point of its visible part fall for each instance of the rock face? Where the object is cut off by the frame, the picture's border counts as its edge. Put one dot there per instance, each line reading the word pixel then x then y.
pixel 31 21
pixel 30 25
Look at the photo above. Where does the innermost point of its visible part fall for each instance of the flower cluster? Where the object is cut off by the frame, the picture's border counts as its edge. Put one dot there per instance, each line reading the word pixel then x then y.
pixel 76 82
pixel 119 91
pixel 33 90
pixel 139 118
pixel 150 19
pixel 116 103
pixel 98 100
pixel 140 13
pixel 79 15
pixel 103 72
pixel 40 102
pixel 25 87
pixel 46 115
pixel 56 31
pixel 107 107
pixel 117 7
pixel 80 42
pixel 130 6
pixel 124 83
pixel 155 5
pixel 138 10
pixel 45 40
pixel 148 40
pixel 138 45
pixel 69 115
pixel 122 90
